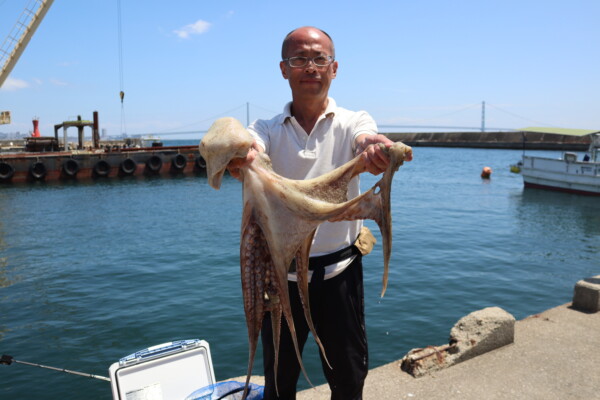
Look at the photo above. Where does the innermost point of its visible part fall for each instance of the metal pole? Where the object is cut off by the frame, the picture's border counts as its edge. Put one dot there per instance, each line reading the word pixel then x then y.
pixel 247 113
pixel 95 131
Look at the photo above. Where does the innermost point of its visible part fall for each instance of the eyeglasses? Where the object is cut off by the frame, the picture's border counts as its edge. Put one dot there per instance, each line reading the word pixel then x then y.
pixel 299 62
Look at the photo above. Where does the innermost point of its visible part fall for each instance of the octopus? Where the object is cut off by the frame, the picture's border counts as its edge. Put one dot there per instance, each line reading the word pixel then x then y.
pixel 279 219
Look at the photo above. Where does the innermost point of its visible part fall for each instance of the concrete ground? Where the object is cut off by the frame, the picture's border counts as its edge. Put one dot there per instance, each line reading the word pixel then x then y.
pixel 556 355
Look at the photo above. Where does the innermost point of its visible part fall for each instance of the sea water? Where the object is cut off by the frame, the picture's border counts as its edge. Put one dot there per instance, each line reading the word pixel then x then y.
pixel 91 272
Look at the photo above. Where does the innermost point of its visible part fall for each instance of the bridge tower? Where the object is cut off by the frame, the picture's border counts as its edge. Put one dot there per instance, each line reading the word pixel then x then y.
pixel 483 116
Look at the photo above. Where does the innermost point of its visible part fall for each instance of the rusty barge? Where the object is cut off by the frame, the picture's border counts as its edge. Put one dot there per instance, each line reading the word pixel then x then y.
pixel 48 158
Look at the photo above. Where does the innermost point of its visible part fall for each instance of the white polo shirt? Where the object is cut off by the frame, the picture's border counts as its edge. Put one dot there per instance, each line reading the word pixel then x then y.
pixel 298 155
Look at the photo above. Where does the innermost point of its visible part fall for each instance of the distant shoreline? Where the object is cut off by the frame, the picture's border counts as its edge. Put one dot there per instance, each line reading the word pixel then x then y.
pixel 493 140
pixel 513 140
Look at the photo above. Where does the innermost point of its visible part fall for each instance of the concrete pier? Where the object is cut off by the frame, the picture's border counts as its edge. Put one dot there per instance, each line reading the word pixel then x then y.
pixel 554 356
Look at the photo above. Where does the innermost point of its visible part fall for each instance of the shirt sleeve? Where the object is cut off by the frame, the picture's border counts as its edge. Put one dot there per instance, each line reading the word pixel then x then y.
pixel 259 130
pixel 363 123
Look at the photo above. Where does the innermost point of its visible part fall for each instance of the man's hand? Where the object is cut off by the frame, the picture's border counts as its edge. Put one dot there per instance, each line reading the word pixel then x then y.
pixel 234 165
pixel 376 160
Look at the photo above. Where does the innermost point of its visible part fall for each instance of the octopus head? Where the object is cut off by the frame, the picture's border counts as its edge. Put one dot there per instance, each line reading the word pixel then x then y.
pixel 225 140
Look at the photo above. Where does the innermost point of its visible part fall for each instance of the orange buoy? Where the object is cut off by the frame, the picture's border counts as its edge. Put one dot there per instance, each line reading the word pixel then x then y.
pixel 486 172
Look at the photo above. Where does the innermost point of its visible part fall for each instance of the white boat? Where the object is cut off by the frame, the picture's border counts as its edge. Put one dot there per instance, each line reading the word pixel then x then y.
pixel 566 174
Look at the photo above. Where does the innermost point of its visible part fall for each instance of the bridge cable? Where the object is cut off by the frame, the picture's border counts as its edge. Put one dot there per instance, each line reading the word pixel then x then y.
pixel 521 117
pixel 206 119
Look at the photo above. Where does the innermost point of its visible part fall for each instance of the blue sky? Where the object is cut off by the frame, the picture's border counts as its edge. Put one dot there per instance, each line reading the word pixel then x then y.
pixel 186 63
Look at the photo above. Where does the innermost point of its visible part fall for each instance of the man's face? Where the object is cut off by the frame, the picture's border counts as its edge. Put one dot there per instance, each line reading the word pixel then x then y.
pixel 310 80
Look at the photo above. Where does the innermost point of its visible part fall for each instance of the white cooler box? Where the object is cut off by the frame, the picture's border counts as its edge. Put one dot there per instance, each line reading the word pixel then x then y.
pixel 167 371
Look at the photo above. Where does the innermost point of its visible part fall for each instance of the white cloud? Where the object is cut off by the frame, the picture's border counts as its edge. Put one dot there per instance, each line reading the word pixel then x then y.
pixel 57 82
pixel 12 84
pixel 196 28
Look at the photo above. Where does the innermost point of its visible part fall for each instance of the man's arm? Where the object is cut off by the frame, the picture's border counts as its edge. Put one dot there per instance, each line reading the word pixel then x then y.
pixel 376 160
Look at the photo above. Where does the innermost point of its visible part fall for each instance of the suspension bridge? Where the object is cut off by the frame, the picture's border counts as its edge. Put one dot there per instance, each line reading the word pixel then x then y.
pixel 384 128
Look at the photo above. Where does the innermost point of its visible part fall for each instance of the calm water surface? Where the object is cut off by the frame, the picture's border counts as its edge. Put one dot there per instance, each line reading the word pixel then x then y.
pixel 92 272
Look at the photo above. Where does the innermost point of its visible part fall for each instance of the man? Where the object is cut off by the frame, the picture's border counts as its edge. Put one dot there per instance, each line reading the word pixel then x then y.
pixel 311 137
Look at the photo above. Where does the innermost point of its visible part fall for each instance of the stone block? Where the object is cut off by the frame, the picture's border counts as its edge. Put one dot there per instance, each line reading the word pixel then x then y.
pixel 482 331
pixel 587 294
pixel 475 334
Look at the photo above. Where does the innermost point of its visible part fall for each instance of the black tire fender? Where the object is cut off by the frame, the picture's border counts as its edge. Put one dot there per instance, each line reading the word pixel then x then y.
pixel 38 170
pixel 6 171
pixel 178 162
pixel 128 166
pixel 70 167
pixel 102 168
pixel 200 162
pixel 154 163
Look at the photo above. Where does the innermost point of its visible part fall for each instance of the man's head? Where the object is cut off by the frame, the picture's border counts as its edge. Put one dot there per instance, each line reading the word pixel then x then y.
pixel 289 38
pixel 308 62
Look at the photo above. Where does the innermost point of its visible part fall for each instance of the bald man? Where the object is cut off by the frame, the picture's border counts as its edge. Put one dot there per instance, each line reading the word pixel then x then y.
pixel 311 137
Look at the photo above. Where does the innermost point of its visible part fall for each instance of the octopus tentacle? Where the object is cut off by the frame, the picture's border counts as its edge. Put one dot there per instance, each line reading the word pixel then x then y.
pixel 253 282
pixel 279 220
pixel 283 300
pixel 263 288
pixel 302 281
pixel 276 329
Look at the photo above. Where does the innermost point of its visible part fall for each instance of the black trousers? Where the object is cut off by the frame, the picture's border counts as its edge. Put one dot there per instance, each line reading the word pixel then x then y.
pixel 337 309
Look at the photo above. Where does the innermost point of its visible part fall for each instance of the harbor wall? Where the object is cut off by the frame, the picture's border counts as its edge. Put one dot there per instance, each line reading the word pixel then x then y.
pixel 493 140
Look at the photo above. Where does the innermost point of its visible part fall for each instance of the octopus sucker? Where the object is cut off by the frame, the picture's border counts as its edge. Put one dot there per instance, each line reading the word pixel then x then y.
pixel 279 219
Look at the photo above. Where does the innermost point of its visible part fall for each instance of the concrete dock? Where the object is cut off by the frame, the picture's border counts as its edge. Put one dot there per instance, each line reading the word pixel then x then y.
pixel 555 355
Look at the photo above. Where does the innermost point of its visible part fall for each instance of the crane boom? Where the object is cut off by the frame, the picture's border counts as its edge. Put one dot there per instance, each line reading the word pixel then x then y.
pixel 19 37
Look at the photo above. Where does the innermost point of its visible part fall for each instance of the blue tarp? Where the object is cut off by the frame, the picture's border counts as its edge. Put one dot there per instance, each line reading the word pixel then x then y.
pixel 230 390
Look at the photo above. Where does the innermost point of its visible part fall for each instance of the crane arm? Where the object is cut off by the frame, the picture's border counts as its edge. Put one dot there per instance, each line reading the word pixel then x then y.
pixel 19 37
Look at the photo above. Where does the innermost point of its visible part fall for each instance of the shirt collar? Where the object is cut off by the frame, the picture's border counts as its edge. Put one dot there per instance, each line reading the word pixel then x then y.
pixel 329 111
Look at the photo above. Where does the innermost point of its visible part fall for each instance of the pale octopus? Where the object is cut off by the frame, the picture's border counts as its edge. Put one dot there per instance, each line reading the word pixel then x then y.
pixel 279 219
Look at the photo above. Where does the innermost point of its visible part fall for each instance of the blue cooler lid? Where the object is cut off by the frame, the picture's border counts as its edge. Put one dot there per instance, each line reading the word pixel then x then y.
pixel 170 370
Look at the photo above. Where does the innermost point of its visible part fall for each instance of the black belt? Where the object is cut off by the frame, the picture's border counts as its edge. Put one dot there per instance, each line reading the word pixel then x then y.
pixel 318 262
